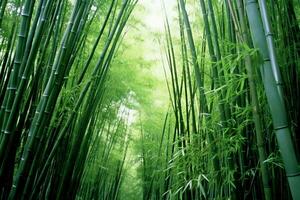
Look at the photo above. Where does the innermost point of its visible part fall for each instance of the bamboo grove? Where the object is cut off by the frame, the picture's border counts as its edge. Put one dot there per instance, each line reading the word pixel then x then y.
pixel 234 120
pixel 50 137
pixel 231 131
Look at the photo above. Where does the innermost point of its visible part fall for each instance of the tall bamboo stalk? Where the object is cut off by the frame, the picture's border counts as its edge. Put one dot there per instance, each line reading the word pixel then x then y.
pixel 255 105
pixel 274 96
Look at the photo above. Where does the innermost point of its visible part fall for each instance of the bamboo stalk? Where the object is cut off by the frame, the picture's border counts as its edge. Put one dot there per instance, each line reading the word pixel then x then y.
pixel 275 98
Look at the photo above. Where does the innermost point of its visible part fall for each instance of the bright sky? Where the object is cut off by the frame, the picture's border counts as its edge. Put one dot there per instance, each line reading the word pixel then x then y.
pixel 151 14
pixel 154 16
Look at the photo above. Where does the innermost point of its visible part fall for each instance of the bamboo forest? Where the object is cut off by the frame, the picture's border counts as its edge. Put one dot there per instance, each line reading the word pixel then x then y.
pixel 150 99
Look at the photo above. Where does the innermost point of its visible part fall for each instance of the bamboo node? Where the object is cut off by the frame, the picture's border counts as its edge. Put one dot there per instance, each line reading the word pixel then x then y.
pixel 293 174
pixel 17 62
pixel 21 35
pixel 11 88
pixel 7 110
pixel 251 1
pixel 23 14
pixel 280 127
pixel 279 83
pixel 268 34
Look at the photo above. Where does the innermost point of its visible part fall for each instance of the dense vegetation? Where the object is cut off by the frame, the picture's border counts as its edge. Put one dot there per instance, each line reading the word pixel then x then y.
pixel 99 102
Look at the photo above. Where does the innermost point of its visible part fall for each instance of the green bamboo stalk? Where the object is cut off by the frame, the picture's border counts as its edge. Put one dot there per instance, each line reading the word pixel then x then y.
pixel 203 101
pixel 255 106
pixel 275 99
pixel 85 68
pixel 27 62
pixel 32 135
pixel 270 43
pixel 215 54
pixel 12 86
pixel 5 66
pixel 3 4
pixel 95 91
pixel 71 117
